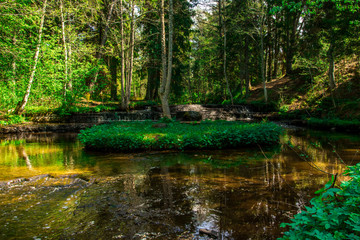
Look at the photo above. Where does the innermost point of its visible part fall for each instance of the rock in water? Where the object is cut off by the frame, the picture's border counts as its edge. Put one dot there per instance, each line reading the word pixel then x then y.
pixel 210 233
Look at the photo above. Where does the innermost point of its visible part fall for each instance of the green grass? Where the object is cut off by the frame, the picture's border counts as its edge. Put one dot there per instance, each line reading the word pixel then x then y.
pixel 139 136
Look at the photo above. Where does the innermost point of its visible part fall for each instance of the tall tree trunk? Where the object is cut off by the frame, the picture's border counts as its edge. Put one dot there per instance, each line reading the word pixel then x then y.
pixel 270 61
pixel 14 67
pixel 292 23
pixel 166 70
pixel 270 50
pixel 276 53
pixel 152 83
pixel 65 47
pixel 123 105
pixel 246 56
pixel 70 85
pixel 221 48
pixel 131 55
pixel 113 72
pixel 224 63
pixel 331 71
pixel 21 106
pixel 331 67
pixel 262 60
pixel 102 44
pixel 289 54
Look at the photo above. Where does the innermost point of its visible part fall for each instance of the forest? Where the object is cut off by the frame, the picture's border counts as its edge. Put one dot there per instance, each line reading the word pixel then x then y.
pixel 56 55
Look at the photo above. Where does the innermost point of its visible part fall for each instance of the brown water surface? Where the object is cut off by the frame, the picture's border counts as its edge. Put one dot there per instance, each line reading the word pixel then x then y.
pixel 51 189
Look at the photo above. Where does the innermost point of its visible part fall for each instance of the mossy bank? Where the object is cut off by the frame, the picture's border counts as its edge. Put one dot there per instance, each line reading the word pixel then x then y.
pixel 148 135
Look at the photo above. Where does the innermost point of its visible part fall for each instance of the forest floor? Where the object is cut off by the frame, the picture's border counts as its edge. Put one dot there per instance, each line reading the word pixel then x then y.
pixel 298 93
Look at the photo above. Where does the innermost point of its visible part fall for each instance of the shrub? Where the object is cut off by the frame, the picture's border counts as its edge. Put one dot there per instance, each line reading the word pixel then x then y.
pixel 334 214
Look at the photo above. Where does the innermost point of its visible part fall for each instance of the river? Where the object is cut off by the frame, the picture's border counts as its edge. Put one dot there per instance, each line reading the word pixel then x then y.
pixel 50 188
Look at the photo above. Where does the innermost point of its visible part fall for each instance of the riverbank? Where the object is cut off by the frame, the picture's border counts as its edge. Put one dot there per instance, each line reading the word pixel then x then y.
pixel 147 135
pixel 186 113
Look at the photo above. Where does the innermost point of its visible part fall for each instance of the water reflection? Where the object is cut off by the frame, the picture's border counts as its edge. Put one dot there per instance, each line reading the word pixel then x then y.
pixel 238 194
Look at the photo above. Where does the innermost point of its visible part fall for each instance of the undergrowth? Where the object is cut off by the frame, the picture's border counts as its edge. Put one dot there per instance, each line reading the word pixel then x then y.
pixel 135 136
pixel 333 214
pixel 11 120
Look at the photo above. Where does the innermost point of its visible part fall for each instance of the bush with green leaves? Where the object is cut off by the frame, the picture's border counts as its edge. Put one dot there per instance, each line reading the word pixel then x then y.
pixel 334 214
pixel 142 135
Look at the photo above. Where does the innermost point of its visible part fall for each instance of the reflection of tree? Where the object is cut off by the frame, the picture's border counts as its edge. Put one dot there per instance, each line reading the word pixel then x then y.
pixel 68 159
pixel 167 189
pixel 22 153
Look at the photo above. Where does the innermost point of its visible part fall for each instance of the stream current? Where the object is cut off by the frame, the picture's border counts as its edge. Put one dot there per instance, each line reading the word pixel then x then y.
pixel 50 188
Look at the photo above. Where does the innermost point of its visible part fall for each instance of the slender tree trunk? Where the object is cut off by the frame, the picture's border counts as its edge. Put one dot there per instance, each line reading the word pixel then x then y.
pixel 247 79
pixel 70 85
pixel 270 60
pixel 114 84
pixel 152 83
pixel 276 53
pixel 332 72
pixel 225 74
pixel 21 106
pixel 221 47
pixel 123 105
pixel 289 48
pixel 102 44
pixel 65 47
pixel 131 55
pixel 262 61
pixel 331 67
pixel 163 48
pixel 270 50
pixel 14 67
pixel 166 69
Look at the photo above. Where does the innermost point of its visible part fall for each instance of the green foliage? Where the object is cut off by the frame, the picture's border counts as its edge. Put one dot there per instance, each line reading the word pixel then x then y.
pixel 333 214
pixel 135 136
pixel 141 104
pixel 68 110
pixel 237 101
pixel 11 119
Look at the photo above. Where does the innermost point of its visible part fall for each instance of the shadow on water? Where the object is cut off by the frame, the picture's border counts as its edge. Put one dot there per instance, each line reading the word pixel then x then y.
pixel 52 189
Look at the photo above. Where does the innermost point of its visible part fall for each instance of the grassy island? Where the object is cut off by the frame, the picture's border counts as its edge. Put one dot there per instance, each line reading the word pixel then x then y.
pixel 148 135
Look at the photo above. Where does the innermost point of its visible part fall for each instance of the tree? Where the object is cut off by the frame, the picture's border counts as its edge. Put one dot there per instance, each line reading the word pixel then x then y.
pixel 166 63
pixel 21 105
pixel 332 22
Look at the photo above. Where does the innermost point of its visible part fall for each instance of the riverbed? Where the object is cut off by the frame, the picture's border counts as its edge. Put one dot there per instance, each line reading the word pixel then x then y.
pixel 50 188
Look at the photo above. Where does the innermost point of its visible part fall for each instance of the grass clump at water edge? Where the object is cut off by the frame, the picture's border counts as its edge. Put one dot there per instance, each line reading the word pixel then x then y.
pixel 147 135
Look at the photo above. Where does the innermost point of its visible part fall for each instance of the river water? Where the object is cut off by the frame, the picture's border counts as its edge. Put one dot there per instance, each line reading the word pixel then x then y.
pixel 50 188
